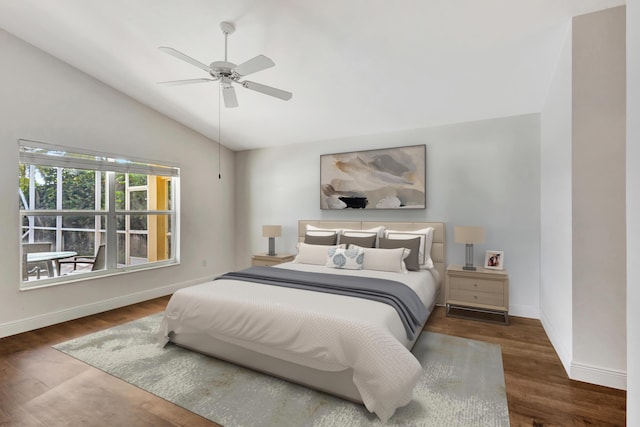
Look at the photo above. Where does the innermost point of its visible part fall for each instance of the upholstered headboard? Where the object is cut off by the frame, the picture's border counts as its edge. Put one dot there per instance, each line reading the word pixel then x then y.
pixel 437 247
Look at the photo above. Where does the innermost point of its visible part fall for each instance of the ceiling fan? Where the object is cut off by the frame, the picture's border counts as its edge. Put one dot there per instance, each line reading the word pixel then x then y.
pixel 228 73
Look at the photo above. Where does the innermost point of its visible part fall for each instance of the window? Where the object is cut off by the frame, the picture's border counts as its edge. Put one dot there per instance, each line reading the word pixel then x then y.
pixel 85 214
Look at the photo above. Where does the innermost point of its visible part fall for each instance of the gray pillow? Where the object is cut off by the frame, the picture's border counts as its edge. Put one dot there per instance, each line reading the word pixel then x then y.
pixel 363 242
pixel 331 239
pixel 413 244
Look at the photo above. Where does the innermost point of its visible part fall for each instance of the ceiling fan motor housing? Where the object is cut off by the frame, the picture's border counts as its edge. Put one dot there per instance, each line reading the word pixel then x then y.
pixel 222 69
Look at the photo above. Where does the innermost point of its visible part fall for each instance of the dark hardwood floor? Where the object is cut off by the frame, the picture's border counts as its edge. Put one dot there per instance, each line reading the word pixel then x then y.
pixel 40 386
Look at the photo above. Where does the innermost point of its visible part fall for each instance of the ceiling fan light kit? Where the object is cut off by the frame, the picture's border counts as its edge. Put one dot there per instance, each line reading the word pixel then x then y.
pixel 228 73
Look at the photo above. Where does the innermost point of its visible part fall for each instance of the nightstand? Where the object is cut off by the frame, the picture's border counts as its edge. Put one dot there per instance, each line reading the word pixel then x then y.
pixel 477 291
pixel 264 260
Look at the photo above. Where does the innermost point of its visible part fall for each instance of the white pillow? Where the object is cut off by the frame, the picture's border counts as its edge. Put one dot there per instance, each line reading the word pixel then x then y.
pixel 375 231
pixel 385 259
pixel 426 239
pixel 316 231
pixel 313 254
pixel 348 259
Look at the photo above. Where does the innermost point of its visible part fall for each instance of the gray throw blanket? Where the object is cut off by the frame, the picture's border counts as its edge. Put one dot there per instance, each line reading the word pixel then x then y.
pixel 411 310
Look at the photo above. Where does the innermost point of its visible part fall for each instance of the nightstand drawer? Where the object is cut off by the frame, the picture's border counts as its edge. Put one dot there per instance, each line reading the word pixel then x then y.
pixel 477 297
pixel 475 284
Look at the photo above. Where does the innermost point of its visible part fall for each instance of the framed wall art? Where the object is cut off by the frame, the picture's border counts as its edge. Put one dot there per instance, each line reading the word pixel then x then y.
pixel 389 178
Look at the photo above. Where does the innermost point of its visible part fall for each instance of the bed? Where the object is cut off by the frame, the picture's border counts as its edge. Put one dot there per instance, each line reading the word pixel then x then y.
pixel 353 348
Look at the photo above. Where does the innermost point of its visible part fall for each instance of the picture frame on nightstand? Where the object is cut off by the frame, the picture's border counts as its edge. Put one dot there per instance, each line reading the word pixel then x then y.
pixel 494 260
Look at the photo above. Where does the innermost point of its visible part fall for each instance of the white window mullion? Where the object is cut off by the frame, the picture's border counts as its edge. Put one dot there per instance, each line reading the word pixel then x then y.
pixel 127 221
pixel 32 201
pixel 175 219
pixel 112 222
pixel 97 200
pixel 58 207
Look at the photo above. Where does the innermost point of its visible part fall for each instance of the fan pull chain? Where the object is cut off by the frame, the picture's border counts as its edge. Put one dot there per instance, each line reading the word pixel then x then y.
pixel 219 125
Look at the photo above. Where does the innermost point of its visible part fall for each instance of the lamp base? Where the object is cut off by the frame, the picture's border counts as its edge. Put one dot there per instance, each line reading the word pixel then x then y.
pixel 272 246
pixel 468 261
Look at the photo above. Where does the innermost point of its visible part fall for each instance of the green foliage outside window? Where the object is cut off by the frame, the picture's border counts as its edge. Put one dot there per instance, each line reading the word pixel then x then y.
pixel 78 193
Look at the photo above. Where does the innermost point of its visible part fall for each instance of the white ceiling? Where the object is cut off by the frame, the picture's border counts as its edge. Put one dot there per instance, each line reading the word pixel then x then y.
pixel 355 67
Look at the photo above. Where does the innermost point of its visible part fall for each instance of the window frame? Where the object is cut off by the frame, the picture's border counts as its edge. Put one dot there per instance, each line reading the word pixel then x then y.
pixel 39 154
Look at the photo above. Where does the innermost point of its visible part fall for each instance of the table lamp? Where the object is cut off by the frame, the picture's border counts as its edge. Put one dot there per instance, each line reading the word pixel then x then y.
pixel 468 236
pixel 272 231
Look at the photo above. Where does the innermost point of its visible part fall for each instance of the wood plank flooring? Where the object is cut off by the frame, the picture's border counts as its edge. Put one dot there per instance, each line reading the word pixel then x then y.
pixel 539 392
pixel 40 386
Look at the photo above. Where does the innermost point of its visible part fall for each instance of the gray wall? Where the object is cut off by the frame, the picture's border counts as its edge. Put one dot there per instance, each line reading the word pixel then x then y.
pixel 598 178
pixel 45 100
pixel 484 173
pixel 583 233
pixel 633 212
pixel 556 280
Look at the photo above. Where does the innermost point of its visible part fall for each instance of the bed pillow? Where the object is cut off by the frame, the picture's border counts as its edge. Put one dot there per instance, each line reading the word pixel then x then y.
pixel 426 238
pixel 364 241
pixel 316 231
pixel 313 254
pixel 375 231
pixel 385 259
pixel 412 244
pixel 348 259
pixel 330 239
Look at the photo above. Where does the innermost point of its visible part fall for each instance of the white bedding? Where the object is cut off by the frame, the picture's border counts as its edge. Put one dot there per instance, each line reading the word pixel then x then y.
pixel 322 331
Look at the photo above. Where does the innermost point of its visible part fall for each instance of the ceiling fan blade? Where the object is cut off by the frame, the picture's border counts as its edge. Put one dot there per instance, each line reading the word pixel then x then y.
pixel 254 65
pixel 229 95
pixel 171 51
pixel 268 90
pixel 185 82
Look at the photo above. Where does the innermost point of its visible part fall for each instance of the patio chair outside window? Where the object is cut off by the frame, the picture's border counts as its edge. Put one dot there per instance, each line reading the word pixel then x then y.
pixel 97 261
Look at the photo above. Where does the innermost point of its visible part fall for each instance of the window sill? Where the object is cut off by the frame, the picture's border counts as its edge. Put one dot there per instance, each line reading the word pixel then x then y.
pixel 81 277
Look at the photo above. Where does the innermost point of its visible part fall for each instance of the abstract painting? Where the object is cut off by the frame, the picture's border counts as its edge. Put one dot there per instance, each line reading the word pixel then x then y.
pixel 389 178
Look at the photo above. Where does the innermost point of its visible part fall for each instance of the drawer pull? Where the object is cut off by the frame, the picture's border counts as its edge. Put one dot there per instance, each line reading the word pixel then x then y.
pixel 475 297
pixel 475 284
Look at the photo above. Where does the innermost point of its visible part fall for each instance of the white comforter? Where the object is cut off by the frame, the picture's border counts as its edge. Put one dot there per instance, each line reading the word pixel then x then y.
pixel 322 331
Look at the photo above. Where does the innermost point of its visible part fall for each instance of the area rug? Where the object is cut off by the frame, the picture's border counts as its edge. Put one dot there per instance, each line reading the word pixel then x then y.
pixel 462 383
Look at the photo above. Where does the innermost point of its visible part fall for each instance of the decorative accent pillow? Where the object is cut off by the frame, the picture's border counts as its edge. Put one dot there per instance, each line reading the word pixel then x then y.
pixel 316 231
pixel 330 239
pixel 426 238
pixel 313 254
pixel 348 259
pixel 385 259
pixel 412 244
pixel 365 241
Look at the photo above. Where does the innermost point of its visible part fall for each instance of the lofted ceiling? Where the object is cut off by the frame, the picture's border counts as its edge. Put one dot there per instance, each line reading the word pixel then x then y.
pixel 355 67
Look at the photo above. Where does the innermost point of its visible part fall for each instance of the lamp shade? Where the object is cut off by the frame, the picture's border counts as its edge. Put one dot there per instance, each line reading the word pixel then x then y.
pixel 271 230
pixel 468 234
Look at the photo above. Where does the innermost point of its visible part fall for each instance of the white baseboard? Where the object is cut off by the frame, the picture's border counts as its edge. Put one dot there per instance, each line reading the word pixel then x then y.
pixel 597 375
pixel 558 345
pixel 579 371
pixel 48 319
pixel 528 311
